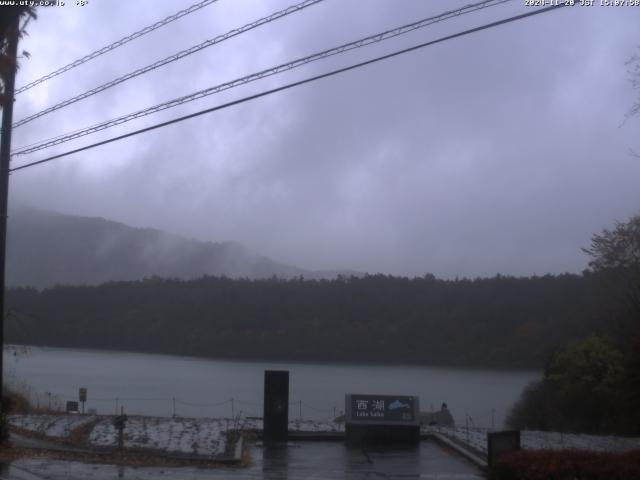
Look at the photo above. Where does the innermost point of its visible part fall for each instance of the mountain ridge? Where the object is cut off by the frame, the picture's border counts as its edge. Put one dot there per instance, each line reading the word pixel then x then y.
pixel 46 248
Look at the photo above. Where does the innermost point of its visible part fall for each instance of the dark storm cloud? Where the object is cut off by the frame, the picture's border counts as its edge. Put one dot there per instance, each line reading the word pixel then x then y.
pixel 497 152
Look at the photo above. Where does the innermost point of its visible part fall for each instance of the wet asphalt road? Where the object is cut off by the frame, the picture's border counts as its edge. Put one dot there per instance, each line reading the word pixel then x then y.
pixel 305 460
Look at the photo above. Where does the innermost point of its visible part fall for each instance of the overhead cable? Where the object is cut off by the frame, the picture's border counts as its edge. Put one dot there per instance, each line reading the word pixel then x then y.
pixel 119 43
pixel 172 58
pixel 293 84
pixel 378 37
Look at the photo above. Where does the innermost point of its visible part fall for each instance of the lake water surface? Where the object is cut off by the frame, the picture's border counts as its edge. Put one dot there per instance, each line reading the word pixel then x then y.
pixel 198 387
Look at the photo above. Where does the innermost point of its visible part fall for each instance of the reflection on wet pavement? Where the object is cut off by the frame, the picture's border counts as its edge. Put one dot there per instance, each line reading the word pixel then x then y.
pixel 297 461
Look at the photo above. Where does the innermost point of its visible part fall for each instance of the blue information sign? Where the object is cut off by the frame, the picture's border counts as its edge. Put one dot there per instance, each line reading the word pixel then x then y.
pixel 382 409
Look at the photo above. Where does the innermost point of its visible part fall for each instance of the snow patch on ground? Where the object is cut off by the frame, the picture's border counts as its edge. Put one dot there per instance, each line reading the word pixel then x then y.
pixel 207 437
pixel 296 425
pixel 599 443
pixel 59 426
pixel 535 440
pixel 315 426
pixel 196 436
pixel 191 436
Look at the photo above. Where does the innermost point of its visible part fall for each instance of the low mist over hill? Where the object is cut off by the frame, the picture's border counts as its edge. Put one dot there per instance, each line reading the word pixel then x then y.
pixel 140 293
pixel 47 248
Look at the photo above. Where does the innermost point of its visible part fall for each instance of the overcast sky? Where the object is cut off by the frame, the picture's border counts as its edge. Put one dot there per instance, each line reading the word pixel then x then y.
pixel 498 152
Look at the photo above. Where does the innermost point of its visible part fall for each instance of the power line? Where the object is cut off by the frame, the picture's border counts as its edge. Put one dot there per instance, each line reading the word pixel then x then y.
pixel 295 84
pixel 119 43
pixel 378 37
pixel 172 58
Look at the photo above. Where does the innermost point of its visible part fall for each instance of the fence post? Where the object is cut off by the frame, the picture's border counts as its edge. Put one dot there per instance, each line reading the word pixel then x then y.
pixel 466 421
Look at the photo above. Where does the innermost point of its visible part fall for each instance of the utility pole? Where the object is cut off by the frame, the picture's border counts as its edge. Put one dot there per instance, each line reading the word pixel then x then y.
pixel 5 154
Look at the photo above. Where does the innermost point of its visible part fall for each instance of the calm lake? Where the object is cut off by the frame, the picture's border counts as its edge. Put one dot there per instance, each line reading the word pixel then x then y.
pixel 198 387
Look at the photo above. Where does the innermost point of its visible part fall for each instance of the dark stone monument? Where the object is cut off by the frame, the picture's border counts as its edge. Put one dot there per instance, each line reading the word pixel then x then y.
pixel 276 405
pixel 382 419
pixel 501 442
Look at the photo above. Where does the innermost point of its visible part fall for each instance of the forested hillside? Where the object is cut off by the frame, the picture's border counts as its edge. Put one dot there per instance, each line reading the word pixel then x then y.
pixel 502 321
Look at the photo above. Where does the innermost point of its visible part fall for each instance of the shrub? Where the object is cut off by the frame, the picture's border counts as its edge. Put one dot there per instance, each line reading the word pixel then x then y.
pixel 534 410
pixel 566 465
pixel 581 391
pixel 12 402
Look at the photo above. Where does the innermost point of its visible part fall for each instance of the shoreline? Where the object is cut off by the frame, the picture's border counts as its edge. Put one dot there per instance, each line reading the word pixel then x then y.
pixel 281 361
